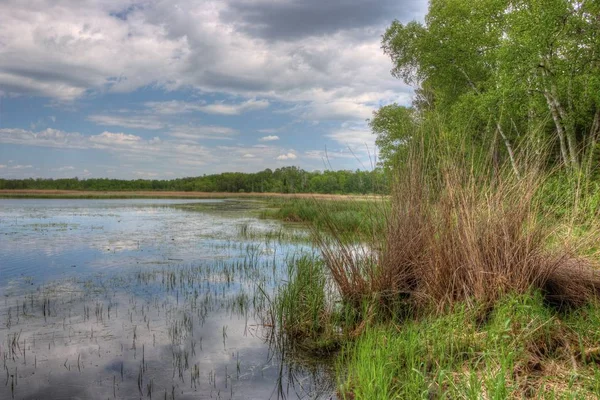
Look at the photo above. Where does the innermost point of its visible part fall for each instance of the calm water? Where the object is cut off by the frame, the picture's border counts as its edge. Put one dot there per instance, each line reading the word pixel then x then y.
pixel 144 298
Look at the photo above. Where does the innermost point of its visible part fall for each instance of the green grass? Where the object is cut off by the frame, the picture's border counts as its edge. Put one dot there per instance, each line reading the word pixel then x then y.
pixel 520 349
pixel 303 311
pixel 350 218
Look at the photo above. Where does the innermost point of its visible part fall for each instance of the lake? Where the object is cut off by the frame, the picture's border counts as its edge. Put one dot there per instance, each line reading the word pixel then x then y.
pixel 169 299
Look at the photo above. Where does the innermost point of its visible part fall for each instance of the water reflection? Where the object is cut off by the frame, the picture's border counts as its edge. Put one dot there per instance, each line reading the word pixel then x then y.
pixel 117 299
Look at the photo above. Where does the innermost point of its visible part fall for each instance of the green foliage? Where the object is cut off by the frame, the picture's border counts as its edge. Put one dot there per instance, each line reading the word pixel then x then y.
pixel 394 125
pixel 506 72
pixel 282 180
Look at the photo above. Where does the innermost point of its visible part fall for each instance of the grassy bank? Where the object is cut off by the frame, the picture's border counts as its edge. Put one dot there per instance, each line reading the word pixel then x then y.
pixel 522 348
pixel 353 218
pixel 479 282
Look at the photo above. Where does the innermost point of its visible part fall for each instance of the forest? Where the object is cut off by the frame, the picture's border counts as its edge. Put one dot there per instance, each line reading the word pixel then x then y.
pixel 281 180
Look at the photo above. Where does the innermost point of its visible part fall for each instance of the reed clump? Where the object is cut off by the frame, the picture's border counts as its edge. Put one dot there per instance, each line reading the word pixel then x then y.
pixel 463 230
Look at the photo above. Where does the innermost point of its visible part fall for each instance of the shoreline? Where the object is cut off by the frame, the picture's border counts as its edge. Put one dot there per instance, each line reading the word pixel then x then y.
pixel 89 194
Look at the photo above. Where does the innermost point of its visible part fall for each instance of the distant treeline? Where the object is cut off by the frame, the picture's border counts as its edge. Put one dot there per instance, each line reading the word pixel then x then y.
pixel 281 180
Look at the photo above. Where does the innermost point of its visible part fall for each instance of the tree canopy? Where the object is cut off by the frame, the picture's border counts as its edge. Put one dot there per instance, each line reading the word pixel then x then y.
pixel 281 180
pixel 504 69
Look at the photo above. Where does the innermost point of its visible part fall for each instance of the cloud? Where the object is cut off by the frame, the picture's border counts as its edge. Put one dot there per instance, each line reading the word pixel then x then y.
pixel 313 52
pixel 15 167
pixel 142 122
pixel 269 138
pixel 196 132
pixel 357 138
pixel 172 107
pixel 325 155
pixel 307 61
pixel 131 147
pixel 115 139
pixel 288 156
pixel 65 168
pixel 46 138
pixel 64 51
pixel 234 109
pixel 166 157
pixel 20 167
pixel 289 19
pixel 338 110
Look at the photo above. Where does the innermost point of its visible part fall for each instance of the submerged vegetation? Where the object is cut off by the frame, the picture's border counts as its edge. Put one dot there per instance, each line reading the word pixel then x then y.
pixel 181 315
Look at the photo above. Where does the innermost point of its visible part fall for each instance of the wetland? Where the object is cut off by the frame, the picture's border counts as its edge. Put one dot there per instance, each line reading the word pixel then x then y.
pixel 143 298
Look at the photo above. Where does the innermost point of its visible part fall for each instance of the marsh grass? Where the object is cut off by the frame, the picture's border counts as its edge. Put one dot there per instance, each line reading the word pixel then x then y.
pixel 303 312
pixel 473 287
pixel 351 218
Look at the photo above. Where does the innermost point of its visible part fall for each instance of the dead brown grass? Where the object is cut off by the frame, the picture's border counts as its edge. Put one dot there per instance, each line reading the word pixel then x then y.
pixel 457 236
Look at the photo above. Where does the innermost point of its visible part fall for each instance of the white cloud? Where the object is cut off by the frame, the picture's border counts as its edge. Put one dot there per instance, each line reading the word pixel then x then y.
pixel 338 110
pixel 234 109
pixel 21 167
pixel 136 153
pixel 269 138
pixel 142 122
pixel 196 132
pixel 356 138
pixel 65 52
pixel 288 156
pixel 65 168
pixel 46 138
pixel 172 107
pixel 15 167
pixel 328 70
pixel 115 139
pixel 328 155
pixel 131 147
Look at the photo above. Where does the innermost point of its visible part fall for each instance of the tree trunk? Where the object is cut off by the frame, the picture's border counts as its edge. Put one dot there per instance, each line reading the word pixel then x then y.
pixel 511 154
pixel 570 135
pixel 559 128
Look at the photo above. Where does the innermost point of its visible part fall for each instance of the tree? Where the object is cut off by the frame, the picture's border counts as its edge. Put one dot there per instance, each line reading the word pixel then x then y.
pixel 503 69
pixel 393 125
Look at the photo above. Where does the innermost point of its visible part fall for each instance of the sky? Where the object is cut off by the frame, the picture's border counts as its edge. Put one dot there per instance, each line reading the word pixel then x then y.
pixel 164 89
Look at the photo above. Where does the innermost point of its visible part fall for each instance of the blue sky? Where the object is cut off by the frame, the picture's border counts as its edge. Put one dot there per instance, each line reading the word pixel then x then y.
pixel 164 89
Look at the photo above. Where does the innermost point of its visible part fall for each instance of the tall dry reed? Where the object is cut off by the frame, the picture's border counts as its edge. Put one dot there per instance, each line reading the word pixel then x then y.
pixel 461 229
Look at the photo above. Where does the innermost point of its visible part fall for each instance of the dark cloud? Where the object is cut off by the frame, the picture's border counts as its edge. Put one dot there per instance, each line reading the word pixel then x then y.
pixel 292 19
